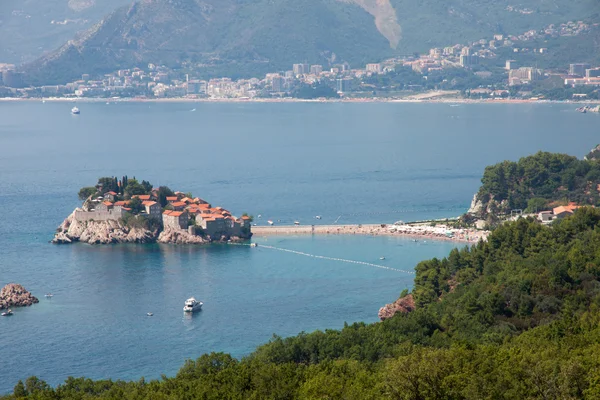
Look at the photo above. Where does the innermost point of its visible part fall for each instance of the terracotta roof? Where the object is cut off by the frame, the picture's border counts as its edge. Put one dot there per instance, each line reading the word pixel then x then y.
pixel 205 206
pixel 562 209
pixel 107 203
pixel 176 213
pixel 142 196
pixel 121 203
pixel 172 198
pixel 245 217
pixel 178 204
pixel 149 203
pixel 186 200
pixel 111 192
pixel 126 209
pixel 168 212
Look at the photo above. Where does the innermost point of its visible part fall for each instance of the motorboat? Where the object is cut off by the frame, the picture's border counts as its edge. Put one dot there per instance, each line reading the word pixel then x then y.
pixel 270 222
pixel 318 217
pixel 48 295
pixel 382 258
pixel 192 305
pixel 253 245
pixel 7 313
pixel 149 314
pixel 296 222
pixel 75 110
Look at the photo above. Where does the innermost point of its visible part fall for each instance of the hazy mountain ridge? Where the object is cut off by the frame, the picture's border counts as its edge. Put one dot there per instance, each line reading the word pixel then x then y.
pixel 243 37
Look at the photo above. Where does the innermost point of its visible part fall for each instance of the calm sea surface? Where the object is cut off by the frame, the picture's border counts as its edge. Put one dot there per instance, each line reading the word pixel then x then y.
pixel 349 163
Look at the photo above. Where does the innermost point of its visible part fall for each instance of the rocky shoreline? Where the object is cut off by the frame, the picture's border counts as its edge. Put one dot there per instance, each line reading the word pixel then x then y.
pixel 403 305
pixel 15 295
pixel 115 231
pixel 101 232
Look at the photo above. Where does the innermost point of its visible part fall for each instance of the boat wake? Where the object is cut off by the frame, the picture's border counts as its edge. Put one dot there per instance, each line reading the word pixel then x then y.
pixel 262 246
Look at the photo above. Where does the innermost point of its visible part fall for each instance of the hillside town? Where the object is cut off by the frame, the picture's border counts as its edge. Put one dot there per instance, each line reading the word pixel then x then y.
pixel 479 59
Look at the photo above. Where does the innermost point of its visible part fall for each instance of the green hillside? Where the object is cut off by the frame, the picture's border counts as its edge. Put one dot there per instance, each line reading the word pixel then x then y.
pixel 248 38
pixel 538 182
pixel 517 317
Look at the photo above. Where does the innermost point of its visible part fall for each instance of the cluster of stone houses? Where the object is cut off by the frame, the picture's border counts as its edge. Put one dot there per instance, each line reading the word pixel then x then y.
pixel 195 215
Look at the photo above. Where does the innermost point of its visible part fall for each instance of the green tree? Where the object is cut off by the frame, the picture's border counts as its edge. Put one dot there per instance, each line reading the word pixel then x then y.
pixel 163 193
pixel 133 188
pixel 136 205
pixel 86 192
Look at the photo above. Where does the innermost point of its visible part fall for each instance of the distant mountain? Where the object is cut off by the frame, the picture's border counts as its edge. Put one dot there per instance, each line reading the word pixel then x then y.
pixel 30 28
pixel 249 37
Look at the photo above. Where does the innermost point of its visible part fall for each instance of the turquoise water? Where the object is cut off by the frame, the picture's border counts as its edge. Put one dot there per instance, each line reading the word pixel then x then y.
pixel 345 162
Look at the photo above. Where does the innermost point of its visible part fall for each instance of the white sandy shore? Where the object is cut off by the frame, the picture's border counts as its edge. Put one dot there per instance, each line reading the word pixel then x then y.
pixel 438 232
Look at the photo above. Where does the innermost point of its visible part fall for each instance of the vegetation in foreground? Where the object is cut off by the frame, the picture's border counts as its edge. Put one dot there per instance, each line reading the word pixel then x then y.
pixel 515 317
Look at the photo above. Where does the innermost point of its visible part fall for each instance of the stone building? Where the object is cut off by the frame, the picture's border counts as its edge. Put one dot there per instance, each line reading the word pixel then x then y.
pixel 175 219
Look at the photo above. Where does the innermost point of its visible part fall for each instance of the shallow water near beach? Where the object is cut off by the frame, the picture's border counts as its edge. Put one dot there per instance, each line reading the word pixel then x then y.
pixel 348 163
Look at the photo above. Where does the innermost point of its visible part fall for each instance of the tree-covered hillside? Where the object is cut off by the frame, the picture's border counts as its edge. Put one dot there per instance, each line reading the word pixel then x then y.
pixel 538 182
pixel 516 317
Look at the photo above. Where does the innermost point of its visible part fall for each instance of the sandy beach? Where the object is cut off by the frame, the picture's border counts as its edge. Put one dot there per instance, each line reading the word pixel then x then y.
pixel 418 232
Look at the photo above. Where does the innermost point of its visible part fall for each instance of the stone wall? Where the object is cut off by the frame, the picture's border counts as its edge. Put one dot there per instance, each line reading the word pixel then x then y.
pixel 82 216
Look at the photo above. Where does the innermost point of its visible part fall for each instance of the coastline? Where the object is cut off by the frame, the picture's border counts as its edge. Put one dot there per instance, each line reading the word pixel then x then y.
pixel 423 232
pixel 441 100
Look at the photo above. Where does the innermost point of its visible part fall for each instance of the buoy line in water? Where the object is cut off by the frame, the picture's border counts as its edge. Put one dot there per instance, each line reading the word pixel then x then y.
pixel 300 253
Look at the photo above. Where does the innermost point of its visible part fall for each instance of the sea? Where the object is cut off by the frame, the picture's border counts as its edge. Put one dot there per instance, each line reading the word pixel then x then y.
pixel 285 162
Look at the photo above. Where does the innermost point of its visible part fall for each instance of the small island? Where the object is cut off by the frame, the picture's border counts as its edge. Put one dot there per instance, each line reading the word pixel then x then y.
pixel 15 295
pixel 129 211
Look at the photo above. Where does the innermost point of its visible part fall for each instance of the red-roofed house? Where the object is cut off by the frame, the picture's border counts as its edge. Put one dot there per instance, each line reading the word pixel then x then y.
pixel 110 196
pixel 152 208
pixel 171 199
pixel 175 219
pixel 564 211
pixel 142 197
pixel 178 205
pixel 104 206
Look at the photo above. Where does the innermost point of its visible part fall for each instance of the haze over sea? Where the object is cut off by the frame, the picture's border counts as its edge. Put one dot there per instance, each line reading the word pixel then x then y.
pixel 351 163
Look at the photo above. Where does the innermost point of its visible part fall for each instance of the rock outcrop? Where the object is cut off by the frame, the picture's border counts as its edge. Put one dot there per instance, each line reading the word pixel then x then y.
pixel 15 295
pixel 101 232
pixel 404 304
pixel 180 237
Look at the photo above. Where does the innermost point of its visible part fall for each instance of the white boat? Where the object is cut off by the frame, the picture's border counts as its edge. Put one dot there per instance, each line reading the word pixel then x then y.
pixel 75 110
pixel 48 295
pixel 253 245
pixel 270 222
pixel 7 313
pixel 192 305
pixel 382 258
pixel 149 314
pixel 318 217
pixel 296 222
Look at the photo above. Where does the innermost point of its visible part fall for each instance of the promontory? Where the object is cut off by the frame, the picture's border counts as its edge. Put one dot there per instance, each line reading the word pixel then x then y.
pixel 127 211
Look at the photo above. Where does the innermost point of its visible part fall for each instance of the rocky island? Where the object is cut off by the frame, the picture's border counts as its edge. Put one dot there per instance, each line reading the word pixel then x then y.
pixel 15 295
pixel 126 211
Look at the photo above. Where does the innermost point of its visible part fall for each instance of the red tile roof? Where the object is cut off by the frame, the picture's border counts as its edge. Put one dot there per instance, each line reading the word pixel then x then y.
pixel 111 192
pixel 178 204
pixel 107 203
pixel 121 203
pixel 149 203
pixel 172 198
pixel 142 196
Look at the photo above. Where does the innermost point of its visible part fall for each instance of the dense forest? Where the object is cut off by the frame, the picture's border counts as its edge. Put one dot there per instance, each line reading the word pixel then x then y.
pixel 514 317
pixel 538 182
